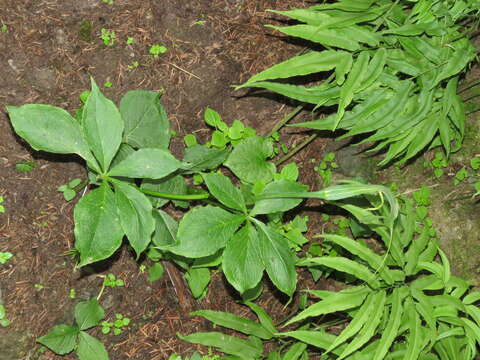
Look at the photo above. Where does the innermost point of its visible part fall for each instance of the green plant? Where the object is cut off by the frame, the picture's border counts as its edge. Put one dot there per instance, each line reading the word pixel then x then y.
pixel 404 304
pixel 326 167
pixel 25 166
pixel 2 208
pixel 5 256
pixel 108 37
pixel 130 40
pixel 390 67
pixel 195 356
pixel 120 324
pixel 4 322
pixel 63 339
pixel 156 50
pixel 438 163
pixel 134 65
pixel 107 84
pixel 109 2
pixel 4 28
pixel 70 190
pixel 110 280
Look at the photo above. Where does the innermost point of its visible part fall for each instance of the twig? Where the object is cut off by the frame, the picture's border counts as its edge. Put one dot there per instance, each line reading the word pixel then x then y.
pixel 185 71
pixel 297 149
pixel 285 120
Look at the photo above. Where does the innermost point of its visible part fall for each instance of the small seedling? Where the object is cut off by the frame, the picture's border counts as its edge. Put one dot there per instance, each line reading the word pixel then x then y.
pixel 63 339
pixel 5 256
pixel 4 322
pixel 134 65
pixel 69 190
pixel 39 287
pixel 25 166
pixel 199 22
pixel 460 175
pixel 325 168
pixel 4 28
pixel 156 50
pixel 130 40
pixel 108 37
pixel 438 163
pixel 223 134
pixel 72 294
pixel 142 268
pixel 190 140
pixel 2 208
pixel 117 326
pixel 155 272
pixel 109 2
pixel 111 281
pixel 107 84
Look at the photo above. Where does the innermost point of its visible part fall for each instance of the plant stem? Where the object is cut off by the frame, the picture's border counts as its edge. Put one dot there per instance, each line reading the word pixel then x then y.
pixel 285 120
pixel 185 197
pixel 297 149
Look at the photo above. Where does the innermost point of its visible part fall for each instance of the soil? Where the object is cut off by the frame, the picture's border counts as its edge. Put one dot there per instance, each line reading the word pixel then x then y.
pixel 48 54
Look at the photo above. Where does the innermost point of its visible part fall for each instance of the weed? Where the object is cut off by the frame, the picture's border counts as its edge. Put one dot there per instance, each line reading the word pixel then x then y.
pixel 117 326
pixel 110 280
pixel 130 40
pixel 108 37
pixel 4 28
pixel 2 208
pixel 134 65
pixel 4 257
pixel 39 287
pixel 156 50
pixel 107 84
pixel 326 167
pixel 70 190
pixel 109 2
pixel 72 294
pixel 25 166
pixel 4 322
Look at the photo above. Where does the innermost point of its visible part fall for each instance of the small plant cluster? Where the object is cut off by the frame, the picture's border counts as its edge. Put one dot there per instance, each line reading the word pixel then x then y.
pixel 326 167
pixel 391 68
pixel 121 322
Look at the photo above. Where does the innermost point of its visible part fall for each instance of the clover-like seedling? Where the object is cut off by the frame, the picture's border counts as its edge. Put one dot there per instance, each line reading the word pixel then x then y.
pixel 157 49
pixel 63 339
pixel 121 322
pixel 108 37
pixel 325 168
pixel 111 281
pixel 69 190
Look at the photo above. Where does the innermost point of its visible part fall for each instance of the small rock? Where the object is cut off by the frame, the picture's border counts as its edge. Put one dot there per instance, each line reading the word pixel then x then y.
pixel 43 78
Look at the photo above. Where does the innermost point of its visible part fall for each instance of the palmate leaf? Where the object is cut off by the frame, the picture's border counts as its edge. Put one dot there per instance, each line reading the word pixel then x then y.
pixel 103 126
pixel 242 264
pixel 268 206
pixel 222 188
pixel 51 129
pixel 61 339
pixel 146 123
pixel 205 230
pixel 135 213
pixel 277 258
pixel 98 232
pixel 90 348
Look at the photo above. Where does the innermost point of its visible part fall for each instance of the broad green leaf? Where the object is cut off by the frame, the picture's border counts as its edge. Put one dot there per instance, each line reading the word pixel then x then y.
pixel 263 317
pixel 166 228
pixel 248 160
pixel 146 163
pixel 200 158
pixel 368 330
pixel 319 338
pixel 103 126
pixel 135 213
pixel 431 28
pixel 344 300
pixel 155 272
pixel 242 264
pixel 312 62
pixel 463 53
pixel 374 69
pixel 268 206
pixel 198 280
pixel 364 253
pixel 205 230
pixel 295 351
pixel 222 188
pixel 358 321
pixel 471 298
pixel 352 83
pixel 446 266
pixel 345 265
pixel 146 123
pixel 212 118
pixel 123 152
pixel 234 322
pixel 90 348
pixel 98 232
pixel 391 331
pixel 51 129
pixel 324 37
pixel 88 313
pixel 277 258
pixel 343 67
pixel 245 350
pixel 61 339
pixel 172 184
